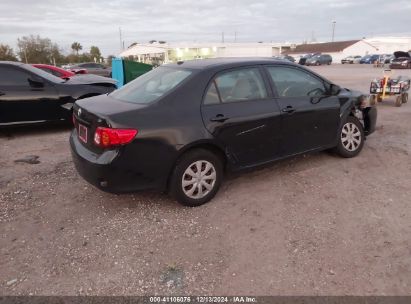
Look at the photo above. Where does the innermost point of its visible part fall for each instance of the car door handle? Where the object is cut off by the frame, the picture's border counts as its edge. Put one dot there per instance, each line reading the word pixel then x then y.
pixel 219 118
pixel 289 110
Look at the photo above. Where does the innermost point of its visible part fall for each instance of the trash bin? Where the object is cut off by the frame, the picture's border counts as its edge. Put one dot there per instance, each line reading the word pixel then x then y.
pixel 125 71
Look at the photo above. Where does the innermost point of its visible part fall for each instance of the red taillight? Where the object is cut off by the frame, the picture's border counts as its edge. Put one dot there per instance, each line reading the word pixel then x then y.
pixel 107 137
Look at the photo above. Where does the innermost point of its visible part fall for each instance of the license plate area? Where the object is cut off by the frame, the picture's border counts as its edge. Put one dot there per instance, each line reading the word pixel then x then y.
pixel 82 133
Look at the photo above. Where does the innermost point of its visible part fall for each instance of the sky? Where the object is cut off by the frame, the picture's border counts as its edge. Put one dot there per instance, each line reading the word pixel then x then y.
pixel 97 22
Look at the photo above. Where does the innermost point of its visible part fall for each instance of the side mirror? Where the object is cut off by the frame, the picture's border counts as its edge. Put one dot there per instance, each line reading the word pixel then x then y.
pixel 334 89
pixel 36 82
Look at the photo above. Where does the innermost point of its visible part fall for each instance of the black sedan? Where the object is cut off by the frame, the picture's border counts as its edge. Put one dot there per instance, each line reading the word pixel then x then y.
pixel 181 126
pixel 30 95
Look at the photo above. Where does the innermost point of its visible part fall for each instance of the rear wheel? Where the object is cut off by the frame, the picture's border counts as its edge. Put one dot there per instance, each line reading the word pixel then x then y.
pixel 351 138
pixel 398 101
pixel 404 97
pixel 372 100
pixel 196 178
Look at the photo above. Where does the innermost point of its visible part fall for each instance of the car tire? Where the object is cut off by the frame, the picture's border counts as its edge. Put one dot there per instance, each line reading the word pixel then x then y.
pixel 404 97
pixel 195 191
pixel 317 63
pixel 398 101
pixel 351 138
pixel 373 100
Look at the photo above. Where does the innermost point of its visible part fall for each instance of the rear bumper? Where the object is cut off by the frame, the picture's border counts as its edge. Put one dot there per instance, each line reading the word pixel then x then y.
pixel 119 171
pixel 398 66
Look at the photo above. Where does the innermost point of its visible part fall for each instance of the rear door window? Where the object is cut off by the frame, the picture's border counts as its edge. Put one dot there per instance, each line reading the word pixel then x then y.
pixel 243 84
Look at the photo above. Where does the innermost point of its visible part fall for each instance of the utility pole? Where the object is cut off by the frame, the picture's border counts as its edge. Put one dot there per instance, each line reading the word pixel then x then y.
pixel 121 40
pixel 333 25
pixel 222 37
pixel 235 36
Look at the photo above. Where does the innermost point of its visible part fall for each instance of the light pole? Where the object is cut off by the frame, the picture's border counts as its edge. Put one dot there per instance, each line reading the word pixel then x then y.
pixel 333 25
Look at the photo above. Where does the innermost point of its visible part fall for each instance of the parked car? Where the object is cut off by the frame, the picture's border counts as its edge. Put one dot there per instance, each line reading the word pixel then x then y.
pixel 179 127
pixel 351 59
pixel 319 60
pixel 56 71
pixel 304 58
pixel 31 95
pixel 92 68
pixel 369 59
pixel 402 60
pixel 385 58
pixel 285 57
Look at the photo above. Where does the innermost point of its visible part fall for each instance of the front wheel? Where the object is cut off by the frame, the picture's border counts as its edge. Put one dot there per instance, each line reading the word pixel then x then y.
pixel 351 138
pixel 196 178
pixel 398 101
pixel 404 97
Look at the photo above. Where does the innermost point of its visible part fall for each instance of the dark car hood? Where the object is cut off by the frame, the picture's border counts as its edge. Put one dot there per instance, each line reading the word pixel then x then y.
pixel 89 79
pixel 401 54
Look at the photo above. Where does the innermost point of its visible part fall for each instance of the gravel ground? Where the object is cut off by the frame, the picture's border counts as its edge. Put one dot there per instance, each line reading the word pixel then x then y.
pixel 312 225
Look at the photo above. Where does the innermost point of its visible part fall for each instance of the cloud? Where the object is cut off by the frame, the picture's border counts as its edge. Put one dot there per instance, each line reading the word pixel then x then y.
pixel 97 22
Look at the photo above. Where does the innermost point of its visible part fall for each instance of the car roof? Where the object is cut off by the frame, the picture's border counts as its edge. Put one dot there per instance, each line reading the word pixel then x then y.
pixel 11 63
pixel 203 64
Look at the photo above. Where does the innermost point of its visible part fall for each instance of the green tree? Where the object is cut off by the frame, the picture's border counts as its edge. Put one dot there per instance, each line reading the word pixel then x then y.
pixel 95 53
pixel 7 53
pixel 34 49
pixel 76 47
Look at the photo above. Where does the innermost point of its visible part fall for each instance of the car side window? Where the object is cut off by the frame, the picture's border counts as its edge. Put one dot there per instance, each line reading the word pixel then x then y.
pixel 236 85
pixel 53 72
pixel 11 76
pixel 212 95
pixel 292 82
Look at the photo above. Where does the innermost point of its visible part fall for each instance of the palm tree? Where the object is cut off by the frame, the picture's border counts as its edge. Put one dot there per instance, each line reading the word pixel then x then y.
pixel 76 46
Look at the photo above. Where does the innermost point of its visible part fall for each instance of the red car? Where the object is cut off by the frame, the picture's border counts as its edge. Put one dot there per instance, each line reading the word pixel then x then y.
pixel 59 72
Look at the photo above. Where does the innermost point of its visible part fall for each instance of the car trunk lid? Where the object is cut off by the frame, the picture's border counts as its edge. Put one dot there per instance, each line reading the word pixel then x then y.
pixel 99 111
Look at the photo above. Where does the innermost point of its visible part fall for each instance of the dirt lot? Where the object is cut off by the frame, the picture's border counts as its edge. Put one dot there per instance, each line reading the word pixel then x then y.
pixel 312 225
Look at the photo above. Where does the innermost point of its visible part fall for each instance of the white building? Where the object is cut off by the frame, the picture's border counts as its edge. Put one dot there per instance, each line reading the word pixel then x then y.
pixel 186 51
pixel 338 50
pixel 389 45
pixel 166 52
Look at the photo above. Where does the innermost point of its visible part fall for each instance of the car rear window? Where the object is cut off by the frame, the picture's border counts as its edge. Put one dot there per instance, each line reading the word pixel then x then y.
pixel 151 85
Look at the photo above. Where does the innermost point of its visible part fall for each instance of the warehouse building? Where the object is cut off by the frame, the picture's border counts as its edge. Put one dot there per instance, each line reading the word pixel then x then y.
pixel 158 53
pixel 338 50
pixel 171 52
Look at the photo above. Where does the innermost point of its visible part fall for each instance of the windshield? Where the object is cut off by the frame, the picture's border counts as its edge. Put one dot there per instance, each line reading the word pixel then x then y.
pixel 151 85
pixel 43 74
